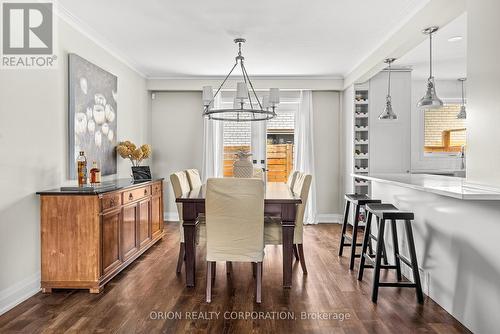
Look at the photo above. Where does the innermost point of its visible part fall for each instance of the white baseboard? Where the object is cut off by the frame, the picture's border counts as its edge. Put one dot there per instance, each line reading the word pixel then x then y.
pixel 171 216
pixel 330 218
pixel 19 292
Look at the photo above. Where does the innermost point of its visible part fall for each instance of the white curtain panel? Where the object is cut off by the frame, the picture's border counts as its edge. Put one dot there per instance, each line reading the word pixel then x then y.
pixel 213 146
pixel 304 150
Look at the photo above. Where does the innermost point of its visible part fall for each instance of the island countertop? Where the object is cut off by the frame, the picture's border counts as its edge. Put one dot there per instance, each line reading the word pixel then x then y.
pixel 455 187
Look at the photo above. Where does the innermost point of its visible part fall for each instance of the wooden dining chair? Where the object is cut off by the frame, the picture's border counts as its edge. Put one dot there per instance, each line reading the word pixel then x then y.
pixel 194 178
pixel 180 186
pixel 273 229
pixel 235 226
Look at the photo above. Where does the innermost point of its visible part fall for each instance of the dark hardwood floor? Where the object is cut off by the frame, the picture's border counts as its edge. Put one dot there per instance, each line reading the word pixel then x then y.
pixel 149 290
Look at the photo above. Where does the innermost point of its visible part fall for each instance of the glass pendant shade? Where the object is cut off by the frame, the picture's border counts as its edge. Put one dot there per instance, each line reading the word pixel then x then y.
pixel 208 95
pixel 388 113
pixel 463 113
pixel 430 100
pixel 265 102
pixel 274 96
pixel 241 91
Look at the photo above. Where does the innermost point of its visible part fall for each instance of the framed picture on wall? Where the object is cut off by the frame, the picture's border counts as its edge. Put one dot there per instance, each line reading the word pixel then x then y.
pixel 92 115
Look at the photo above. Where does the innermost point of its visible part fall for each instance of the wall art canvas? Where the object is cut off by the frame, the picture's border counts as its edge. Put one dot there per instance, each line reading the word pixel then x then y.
pixel 92 115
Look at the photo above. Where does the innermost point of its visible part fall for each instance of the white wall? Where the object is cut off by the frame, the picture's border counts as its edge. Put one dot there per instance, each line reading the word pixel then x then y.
pixel 449 91
pixel 483 73
pixel 327 153
pixel 456 243
pixel 34 138
pixel 177 127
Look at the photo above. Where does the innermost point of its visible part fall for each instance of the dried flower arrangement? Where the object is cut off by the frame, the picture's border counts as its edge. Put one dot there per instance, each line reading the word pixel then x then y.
pixel 127 149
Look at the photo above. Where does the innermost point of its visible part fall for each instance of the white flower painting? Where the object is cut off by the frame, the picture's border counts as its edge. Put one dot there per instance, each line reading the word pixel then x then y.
pixel 92 115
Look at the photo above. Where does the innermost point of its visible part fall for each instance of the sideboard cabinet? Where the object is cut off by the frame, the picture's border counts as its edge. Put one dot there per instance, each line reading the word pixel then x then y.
pixel 87 237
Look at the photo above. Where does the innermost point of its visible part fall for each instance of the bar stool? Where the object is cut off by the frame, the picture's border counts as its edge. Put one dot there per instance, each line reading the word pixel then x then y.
pixel 385 212
pixel 359 200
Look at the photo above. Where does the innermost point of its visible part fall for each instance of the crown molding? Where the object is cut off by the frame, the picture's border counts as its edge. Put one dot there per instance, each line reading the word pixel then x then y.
pixel 253 77
pixel 95 37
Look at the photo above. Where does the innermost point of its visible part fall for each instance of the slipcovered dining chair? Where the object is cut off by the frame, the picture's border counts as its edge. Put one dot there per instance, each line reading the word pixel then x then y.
pixel 235 226
pixel 180 185
pixel 291 179
pixel 194 178
pixel 272 227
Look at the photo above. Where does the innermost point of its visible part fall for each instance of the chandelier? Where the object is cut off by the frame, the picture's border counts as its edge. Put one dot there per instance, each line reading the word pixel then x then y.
pixel 245 107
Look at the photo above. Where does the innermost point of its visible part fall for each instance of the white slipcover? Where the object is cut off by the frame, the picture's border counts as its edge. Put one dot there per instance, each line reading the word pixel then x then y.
pixel 272 228
pixel 194 178
pixel 291 179
pixel 235 219
pixel 180 185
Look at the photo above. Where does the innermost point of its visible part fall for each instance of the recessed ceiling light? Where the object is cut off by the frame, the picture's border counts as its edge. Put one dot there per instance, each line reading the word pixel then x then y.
pixel 455 39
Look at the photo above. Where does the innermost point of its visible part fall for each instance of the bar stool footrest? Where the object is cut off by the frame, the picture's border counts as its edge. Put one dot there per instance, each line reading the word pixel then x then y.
pixel 405 260
pixel 397 284
pixel 382 266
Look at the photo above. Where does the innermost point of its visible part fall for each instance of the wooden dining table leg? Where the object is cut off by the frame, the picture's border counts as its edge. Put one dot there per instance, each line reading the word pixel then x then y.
pixel 288 227
pixel 190 222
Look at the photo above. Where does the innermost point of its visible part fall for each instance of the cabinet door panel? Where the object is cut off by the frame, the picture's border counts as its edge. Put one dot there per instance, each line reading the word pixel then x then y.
pixel 129 231
pixel 144 226
pixel 156 216
pixel 110 228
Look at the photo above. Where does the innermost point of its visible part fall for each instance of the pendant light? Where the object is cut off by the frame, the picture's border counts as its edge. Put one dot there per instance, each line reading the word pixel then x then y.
pixel 463 113
pixel 245 107
pixel 388 113
pixel 430 99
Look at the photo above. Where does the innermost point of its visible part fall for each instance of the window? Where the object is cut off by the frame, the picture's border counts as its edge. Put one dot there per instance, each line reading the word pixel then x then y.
pixel 443 131
pixel 278 139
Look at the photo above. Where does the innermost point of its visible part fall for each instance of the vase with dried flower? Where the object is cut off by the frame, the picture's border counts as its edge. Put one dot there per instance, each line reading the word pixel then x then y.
pixel 128 150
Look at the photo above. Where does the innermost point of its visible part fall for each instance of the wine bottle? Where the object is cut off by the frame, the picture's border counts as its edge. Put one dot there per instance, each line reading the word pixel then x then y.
pixel 95 174
pixel 81 162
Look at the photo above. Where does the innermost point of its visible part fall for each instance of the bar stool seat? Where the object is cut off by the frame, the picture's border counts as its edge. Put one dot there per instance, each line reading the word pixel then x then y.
pixel 388 212
pixel 358 200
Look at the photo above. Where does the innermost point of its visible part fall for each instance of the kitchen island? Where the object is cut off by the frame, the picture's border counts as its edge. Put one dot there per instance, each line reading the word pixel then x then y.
pixel 457 233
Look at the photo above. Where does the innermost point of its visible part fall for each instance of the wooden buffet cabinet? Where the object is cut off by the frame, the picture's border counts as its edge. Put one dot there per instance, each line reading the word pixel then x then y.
pixel 89 237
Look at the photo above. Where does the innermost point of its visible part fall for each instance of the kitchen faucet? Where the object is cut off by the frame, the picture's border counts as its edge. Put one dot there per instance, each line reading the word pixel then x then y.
pixel 462 157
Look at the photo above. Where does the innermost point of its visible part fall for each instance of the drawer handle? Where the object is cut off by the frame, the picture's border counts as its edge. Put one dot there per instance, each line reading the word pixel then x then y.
pixel 130 197
pixel 145 191
pixel 112 202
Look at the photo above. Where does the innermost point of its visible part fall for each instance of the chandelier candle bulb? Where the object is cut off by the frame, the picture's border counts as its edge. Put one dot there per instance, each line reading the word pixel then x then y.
pixel 265 102
pixel 237 104
pixel 208 95
pixel 274 96
pixel 241 91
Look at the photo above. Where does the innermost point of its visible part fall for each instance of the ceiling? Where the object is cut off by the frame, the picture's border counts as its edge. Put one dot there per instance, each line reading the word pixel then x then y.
pixel 449 58
pixel 284 37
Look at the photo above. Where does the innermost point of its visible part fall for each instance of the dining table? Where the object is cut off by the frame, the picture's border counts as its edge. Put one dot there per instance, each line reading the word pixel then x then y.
pixel 279 202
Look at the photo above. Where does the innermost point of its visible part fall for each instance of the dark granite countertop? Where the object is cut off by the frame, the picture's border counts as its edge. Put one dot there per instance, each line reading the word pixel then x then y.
pixel 104 187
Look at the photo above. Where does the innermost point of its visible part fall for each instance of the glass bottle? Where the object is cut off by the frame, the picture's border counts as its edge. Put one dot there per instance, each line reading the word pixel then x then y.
pixel 95 174
pixel 81 163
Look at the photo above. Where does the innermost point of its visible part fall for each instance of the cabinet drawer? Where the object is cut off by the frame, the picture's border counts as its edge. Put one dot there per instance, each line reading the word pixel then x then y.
pixel 156 188
pixel 110 201
pixel 136 194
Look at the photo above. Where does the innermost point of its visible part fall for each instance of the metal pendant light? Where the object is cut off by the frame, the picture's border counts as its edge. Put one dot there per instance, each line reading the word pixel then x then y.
pixel 388 113
pixel 463 113
pixel 245 108
pixel 430 99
